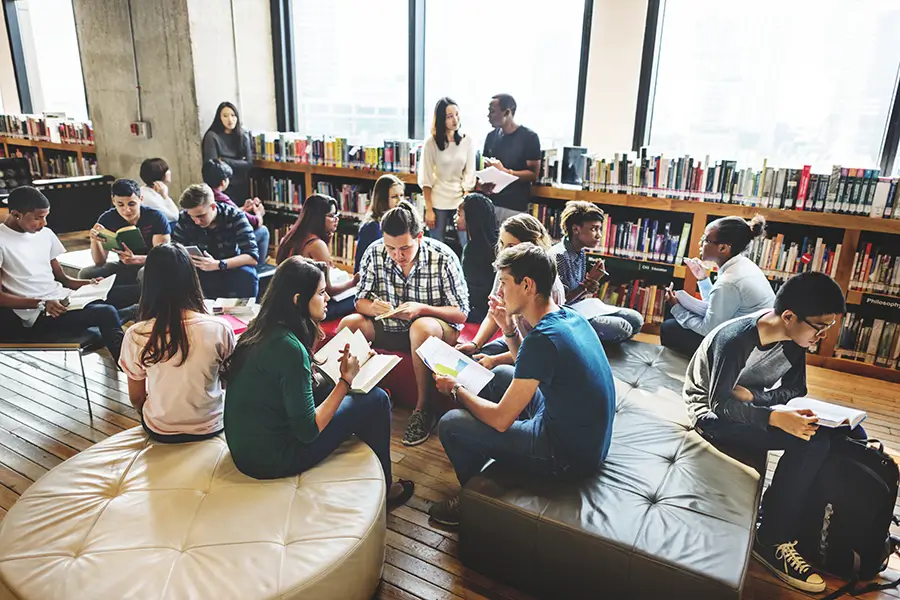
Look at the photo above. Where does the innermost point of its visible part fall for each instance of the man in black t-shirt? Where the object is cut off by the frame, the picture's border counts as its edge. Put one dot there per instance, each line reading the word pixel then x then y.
pixel 512 148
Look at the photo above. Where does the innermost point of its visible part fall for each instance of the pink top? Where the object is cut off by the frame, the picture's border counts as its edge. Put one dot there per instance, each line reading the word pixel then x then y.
pixel 182 398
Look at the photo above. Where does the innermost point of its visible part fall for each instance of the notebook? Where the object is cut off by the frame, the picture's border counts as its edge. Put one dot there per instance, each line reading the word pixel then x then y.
pixel 829 415
pixel 373 367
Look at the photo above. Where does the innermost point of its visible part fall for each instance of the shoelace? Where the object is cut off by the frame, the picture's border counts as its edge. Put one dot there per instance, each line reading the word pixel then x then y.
pixel 787 551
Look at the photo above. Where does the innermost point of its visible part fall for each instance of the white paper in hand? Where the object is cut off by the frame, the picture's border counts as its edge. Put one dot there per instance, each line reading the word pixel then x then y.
pixel 446 360
pixel 84 295
pixel 499 178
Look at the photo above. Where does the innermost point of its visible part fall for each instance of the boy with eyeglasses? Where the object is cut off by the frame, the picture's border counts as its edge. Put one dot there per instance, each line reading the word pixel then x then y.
pixel 730 391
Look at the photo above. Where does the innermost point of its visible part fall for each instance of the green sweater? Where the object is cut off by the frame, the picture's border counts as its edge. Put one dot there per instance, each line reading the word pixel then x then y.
pixel 270 415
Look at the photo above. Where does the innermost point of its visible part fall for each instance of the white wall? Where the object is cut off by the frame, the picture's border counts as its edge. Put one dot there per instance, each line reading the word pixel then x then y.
pixel 614 69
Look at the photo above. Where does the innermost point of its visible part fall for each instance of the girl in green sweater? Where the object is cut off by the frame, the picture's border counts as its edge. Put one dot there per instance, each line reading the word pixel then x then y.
pixel 272 424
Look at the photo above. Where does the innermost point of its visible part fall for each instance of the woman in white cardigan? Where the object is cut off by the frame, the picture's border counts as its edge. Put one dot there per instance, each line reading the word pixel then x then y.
pixel 447 171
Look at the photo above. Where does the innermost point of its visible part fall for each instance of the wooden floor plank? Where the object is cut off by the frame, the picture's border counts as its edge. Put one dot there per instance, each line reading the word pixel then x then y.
pixel 43 426
pixel 44 450
pixel 18 463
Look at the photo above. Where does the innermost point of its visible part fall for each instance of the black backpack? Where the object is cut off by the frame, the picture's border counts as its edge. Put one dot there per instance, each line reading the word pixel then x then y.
pixel 845 528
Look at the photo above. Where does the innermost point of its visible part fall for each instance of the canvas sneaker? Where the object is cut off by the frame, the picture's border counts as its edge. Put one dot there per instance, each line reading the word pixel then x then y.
pixel 421 422
pixel 787 564
pixel 446 512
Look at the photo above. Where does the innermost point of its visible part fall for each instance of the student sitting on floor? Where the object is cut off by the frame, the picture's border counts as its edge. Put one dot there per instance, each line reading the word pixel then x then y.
pixel 387 193
pixel 728 402
pixel 309 237
pixel 424 278
pixel 551 415
pixel 33 287
pixel 740 289
pixel 172 355
pixel 582 224
pixel 475 217
pixel 272 424
pixel 217 175
pixel 157 176
pixel 224 236
pixel 127 210
pixel 518 229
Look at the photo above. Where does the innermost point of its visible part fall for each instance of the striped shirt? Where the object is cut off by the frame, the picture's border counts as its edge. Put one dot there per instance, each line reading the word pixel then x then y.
pixel 232 235
pixel 436 280
pixel 571 266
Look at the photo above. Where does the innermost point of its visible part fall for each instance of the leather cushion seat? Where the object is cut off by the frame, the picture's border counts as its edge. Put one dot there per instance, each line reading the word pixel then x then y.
pixel 128 518
pixel 667 515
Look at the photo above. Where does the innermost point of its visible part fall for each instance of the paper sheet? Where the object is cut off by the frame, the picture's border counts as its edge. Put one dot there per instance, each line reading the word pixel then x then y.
pixel 592 307
pixel 445 360
pixel 499 178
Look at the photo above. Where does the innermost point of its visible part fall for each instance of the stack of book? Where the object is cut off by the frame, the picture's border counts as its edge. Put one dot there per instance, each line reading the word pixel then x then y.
pixel 868 340
pixel 393 156
pixel 875 271
pixel 780 259
pixel 48 129
pixel 649 300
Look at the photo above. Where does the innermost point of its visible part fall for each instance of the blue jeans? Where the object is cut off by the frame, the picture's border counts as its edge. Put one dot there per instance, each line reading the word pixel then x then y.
pixel 368 416
pixel 617 327
pixel 262 243
pixel 469 443
pixel 443 218
pixel 242 282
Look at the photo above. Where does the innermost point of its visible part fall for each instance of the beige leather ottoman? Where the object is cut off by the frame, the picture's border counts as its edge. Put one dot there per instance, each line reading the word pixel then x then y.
pixel 131 519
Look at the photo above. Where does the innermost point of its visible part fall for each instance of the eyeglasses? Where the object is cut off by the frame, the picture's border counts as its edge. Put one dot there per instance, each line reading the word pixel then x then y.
pixel 334 215
pixel 705 240
pixel 821 330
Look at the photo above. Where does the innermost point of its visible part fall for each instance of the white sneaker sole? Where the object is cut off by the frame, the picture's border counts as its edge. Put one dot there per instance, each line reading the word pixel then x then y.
pixel 416 442
pixel 796 583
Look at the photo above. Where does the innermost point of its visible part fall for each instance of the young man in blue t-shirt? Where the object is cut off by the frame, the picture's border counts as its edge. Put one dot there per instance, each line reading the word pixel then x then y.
pixel 127 211
pixel 551 415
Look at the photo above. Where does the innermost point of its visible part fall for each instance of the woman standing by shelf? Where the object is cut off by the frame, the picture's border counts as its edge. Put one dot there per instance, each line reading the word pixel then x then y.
pixel 226 140
pixel 447 171
pixel 387 193
pixel 309 237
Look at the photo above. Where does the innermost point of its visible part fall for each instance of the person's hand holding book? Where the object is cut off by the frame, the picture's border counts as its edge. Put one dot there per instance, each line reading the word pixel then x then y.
pixel 54 308
pixel 349 366
pixel 799 423
pixel 205 262
pixel 128 257
pixel 409 311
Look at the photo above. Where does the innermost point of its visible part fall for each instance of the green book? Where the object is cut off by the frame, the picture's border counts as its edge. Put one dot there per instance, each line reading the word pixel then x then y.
pixel 127 236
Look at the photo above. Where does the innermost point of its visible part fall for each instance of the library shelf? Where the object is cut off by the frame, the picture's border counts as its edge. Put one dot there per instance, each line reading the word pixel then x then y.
pixel 345 172
pixel 678 271
pixel 855 296
pixel 80 150
pixel 846 365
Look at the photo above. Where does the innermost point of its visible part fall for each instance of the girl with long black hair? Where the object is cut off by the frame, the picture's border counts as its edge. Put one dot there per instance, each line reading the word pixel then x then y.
pixel 173 354
pixel 476 217
pixel 226 140
pixel 272 424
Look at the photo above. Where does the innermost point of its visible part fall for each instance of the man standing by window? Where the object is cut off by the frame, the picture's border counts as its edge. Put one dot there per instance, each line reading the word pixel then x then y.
pixel 512 148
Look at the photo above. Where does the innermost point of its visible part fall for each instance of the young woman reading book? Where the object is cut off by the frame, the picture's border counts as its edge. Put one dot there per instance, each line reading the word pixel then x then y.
pixel 272 424
pixel 173 354
pixel 387 193
pixel 475 216
pixel 309 237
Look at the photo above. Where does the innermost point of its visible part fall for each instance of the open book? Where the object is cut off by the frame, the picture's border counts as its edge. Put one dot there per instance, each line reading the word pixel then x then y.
pixel 829 415
pixel 446 360
pixel 127 236
pixel 84 295
pixel 339 276
pixel 698 307
pixel 373 367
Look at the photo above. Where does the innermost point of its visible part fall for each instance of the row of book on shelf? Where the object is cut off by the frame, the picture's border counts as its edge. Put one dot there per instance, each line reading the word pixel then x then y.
pixel 393 156
pixel 871 341
pixel 846 190
pixel 57 165
pixel 781 259
pixel 875 271
pixel 649 300
pixel 47 128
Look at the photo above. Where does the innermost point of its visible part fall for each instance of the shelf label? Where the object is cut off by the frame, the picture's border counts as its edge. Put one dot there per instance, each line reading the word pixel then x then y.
pixel 638 266
pixel 879 307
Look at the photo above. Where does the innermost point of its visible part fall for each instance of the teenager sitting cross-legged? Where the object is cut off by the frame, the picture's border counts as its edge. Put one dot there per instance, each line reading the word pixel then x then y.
pixel 582 224
pixel 172 355
pixel 424 278
pixel 273 425
pixel 217 175
pixel 227 266
pixel 549 416
pixel 729 393
pixel 34 290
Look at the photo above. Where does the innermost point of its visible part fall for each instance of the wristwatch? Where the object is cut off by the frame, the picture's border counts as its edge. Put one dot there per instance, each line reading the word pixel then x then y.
pixel 223 266
pixel 454 391
pixel 42 306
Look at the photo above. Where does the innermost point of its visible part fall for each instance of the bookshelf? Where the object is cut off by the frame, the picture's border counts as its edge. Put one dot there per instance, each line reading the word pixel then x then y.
pixel 45 152
pixel 852 227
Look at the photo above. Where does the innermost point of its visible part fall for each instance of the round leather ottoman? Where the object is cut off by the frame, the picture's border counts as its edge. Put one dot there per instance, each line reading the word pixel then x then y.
pixel 128 518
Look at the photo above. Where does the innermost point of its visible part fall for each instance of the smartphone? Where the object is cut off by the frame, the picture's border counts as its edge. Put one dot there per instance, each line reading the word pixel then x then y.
pixel 193 250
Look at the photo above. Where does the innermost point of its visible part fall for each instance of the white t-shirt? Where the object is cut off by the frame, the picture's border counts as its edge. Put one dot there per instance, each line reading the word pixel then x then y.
pixel 182 398
pixel 167 206
pixel 25 267
pixel 450 173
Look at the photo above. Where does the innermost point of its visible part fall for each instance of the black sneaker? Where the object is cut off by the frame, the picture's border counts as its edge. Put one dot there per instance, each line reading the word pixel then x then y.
pixel 421 422
pixel 446 512
pixel 787 564
pixel 408 489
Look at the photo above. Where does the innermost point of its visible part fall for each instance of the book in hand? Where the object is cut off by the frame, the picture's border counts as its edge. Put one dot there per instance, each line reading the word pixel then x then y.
pixel 127 236
pixel 828 415
pixel 446 360
pixel 373 367
pixel 84 295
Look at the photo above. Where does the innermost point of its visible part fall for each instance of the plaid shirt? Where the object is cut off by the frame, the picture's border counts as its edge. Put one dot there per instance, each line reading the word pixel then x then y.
pixel 436 280
pixel 232 235
pixel 571 266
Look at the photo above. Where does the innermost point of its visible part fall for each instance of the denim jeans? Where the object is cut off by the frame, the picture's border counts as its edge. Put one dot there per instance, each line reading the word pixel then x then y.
pixel 613 328
pixel 675 337
pixel 525 446
pixel 262 243
pixel 242 282
pixel 443 218
pixel 796 471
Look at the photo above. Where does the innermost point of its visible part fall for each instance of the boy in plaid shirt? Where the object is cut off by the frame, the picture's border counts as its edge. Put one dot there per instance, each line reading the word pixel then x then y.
pixel 424 277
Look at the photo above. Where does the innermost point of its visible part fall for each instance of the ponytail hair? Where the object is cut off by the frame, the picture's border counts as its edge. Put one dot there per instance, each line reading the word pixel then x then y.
pixel 400 220
pixel 737 232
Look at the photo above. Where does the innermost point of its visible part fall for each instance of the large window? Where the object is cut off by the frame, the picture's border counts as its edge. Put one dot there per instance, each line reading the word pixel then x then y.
pixel 52 59
pixel 533 55
pixel 351 68
pixel 798 82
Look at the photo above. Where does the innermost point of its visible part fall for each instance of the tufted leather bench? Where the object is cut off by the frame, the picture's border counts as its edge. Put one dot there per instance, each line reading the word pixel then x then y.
pixel 667 516
pixel 128 518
